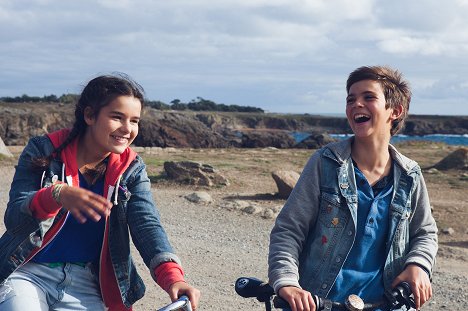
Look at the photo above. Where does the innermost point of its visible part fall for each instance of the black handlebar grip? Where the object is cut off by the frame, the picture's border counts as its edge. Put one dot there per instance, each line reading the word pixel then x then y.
pixel 253 287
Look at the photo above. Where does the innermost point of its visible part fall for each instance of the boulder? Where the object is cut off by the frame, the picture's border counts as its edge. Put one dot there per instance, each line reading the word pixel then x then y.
pixel 199 197
pixel 194 173
pixel 285 181
pixel 455 160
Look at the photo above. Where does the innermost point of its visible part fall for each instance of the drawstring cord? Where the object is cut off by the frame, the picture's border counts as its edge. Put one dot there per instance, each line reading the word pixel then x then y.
pixel 116 189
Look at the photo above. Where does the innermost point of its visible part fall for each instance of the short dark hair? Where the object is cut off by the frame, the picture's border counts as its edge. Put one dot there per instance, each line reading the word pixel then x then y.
pixel 395 88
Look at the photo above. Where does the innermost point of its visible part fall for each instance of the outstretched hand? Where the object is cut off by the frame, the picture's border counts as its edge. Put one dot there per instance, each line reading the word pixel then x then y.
pixel 181 288
pixel 298 299
pixel 419 282
pixel 84 204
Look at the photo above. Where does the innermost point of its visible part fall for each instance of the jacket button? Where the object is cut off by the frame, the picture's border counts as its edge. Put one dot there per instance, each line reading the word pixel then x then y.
pixel 324 285
pixel 350 232
pixel 338 259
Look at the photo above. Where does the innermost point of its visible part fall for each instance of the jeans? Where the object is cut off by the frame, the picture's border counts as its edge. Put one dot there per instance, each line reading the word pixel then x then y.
pixel 38 287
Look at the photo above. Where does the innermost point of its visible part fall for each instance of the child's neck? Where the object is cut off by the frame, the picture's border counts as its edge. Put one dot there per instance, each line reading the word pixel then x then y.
pixel 373 159
pixel 86 156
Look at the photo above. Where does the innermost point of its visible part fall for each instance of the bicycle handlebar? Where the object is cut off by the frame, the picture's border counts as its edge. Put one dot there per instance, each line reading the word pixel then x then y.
pixel 253 287
pixel 183 303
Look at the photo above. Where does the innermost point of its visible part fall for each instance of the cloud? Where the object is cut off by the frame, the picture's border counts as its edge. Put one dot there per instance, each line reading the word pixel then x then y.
pixel 282 54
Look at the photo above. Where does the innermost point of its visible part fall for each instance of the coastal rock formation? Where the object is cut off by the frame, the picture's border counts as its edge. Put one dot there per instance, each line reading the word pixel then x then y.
pixel 267 138
pixel 315 141
pixel 21 121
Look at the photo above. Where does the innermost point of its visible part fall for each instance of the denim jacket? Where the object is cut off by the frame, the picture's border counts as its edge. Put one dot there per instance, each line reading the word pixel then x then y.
pixel 316 228
pixel 133 211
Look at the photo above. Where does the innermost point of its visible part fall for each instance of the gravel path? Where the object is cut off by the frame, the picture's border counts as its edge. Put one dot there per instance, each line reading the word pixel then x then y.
pixel 217 246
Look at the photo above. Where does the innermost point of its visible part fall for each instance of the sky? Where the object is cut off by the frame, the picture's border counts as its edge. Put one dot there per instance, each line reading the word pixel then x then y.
pixel 285 56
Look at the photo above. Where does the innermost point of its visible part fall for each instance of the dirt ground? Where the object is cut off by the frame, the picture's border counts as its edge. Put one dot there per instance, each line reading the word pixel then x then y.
pixel 218 244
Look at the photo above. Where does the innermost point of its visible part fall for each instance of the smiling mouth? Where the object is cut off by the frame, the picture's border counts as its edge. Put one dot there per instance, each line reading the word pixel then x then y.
pixel 361 118
pixel 119 138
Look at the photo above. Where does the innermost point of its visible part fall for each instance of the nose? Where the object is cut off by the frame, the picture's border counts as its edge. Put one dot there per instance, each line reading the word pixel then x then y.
pixel 358 102
pixel 126 126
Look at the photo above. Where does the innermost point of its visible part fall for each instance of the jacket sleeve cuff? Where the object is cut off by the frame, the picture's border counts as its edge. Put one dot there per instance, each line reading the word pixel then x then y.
pixel 284 280
pixel 167 274
pixel 43 205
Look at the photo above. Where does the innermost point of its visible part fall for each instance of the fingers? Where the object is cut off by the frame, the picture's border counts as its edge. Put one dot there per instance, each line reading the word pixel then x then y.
pixel 298 299
pixel 181 288
pixel 422 292
pixel 194 296
pixel 419 283
pixel 84 204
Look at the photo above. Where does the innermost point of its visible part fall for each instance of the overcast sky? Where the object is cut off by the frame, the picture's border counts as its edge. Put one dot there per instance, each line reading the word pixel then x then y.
pixel 280 55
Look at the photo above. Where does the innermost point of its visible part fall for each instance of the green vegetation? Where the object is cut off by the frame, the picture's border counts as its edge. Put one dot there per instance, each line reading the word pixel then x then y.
pixel 65 98
pixel 198 104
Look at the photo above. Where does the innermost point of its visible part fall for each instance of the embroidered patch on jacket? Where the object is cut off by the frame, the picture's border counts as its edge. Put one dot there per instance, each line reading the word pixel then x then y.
pixel 324 239
pixel 335 221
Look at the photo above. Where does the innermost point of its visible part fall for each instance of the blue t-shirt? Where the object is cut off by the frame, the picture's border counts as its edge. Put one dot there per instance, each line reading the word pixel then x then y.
pixel 76 242
pixel 362 272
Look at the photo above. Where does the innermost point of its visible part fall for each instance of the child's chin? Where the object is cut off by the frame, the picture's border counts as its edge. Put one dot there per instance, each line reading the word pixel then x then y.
pixel 118 150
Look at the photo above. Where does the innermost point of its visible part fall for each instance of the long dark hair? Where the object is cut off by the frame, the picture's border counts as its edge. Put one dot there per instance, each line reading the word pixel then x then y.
pixel 98 93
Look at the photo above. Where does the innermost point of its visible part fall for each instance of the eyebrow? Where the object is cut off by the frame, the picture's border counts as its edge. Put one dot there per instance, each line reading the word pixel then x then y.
pixel 364 93
pixel 121 114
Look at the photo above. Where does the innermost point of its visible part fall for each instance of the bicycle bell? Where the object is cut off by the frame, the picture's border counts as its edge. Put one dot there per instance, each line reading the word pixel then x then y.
pixel 354 303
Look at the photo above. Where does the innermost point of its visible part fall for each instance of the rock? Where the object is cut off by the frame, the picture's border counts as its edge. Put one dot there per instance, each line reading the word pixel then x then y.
pixel 433 171
pixel 199 197
pixel 449 231
pixel 315 141
pixel 285 181
pixel 267 138
pixel 455 160
pixel 235 204
pixel 252 209
pixel 194 173
pixel 4 151
pixel 181 130
pixel 268 213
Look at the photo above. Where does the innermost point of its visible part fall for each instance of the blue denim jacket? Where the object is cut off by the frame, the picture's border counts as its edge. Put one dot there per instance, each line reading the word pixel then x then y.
pixel 316 228
pixel 134 211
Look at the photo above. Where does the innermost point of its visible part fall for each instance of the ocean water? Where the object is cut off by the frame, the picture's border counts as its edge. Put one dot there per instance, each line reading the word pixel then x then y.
pixel 456 140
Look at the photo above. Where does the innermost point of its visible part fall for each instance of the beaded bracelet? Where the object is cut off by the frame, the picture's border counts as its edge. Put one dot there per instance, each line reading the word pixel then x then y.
pixel 56 188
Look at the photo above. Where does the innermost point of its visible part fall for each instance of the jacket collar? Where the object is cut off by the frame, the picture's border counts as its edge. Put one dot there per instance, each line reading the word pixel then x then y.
pixel 341 151
pixel 117 163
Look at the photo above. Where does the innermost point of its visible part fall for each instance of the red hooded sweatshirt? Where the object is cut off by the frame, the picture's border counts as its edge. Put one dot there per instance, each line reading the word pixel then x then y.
pixel 43 206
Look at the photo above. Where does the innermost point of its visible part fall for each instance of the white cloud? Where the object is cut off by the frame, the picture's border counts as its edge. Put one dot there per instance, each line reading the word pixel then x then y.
pixel 251 51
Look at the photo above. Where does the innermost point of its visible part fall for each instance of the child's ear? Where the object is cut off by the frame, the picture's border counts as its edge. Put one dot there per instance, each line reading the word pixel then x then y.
pixel 397 112
pixel 88 116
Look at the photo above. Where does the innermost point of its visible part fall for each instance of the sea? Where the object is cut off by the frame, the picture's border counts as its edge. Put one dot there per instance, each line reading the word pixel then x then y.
pixel 455 140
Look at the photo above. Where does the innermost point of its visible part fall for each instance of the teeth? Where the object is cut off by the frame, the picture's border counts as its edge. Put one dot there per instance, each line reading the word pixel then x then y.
pixel 358 116
pixel 119 137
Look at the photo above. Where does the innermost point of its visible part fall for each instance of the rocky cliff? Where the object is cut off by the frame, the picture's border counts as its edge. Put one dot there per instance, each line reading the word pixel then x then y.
pixel 19 122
